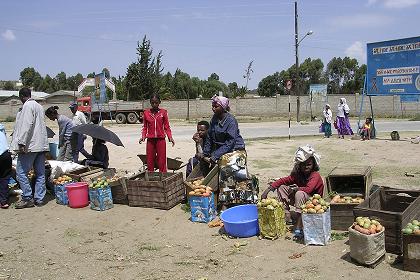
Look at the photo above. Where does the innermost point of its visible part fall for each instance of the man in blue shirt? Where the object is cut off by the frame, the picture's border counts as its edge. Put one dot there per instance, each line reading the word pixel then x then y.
pixel 5 168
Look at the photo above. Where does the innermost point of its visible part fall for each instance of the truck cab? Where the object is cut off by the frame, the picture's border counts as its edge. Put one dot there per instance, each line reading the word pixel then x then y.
pixel 84 105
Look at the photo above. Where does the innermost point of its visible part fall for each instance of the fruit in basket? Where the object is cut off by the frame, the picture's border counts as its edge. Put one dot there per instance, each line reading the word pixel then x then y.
pixel 269 203
pixel 62 180
pixel 315 205
pixel 367 226
pixel 99 183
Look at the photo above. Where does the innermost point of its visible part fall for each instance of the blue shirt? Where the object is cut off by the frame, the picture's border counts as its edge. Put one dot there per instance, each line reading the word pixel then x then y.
pixel 223 137
pixel 4 146
pixel 65 126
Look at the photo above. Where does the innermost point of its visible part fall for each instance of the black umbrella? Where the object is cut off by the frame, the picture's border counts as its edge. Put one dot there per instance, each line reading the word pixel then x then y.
pixel 98 132
pixel 50 133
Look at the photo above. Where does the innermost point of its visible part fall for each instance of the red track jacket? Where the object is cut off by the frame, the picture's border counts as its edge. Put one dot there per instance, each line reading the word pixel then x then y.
pixel 156 125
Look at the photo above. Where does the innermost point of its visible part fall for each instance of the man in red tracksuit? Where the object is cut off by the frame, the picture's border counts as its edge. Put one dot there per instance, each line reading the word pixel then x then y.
pixel 155 128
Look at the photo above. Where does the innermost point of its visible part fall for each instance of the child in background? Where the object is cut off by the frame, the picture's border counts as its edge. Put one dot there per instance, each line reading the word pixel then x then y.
pixel 5 168
pixel 366 129
pixel 66 144
pixel 327 120
pixel 155 128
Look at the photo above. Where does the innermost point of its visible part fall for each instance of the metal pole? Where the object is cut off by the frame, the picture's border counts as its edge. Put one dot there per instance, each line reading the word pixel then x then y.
pixel 188 106
pixel 289 115
pixel 297 65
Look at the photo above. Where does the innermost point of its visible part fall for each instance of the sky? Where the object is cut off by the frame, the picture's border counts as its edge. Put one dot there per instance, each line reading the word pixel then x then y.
pixel 198 37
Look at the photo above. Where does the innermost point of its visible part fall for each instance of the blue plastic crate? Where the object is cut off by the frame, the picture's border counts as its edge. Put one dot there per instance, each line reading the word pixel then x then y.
pixel 100 198
pixel 203 209
pixel 61 194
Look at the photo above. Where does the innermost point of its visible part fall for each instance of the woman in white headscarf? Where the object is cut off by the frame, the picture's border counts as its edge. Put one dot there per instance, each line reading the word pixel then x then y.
pixel 304 181
pixel 342 121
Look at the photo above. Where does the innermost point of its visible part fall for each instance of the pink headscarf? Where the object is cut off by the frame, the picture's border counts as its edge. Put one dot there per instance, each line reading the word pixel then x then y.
pixel 222 101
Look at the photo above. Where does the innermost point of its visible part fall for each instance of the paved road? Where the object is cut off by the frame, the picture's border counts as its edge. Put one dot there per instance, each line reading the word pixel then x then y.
pixel 270 129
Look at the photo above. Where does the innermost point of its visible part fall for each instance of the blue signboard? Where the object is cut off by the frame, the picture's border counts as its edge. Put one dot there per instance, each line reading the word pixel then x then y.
pixel 393 67
pixel 318 91
pixel 412 98
pixel 99 95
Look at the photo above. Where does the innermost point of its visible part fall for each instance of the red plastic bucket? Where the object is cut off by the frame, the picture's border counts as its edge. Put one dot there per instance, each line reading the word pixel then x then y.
pixel 78 194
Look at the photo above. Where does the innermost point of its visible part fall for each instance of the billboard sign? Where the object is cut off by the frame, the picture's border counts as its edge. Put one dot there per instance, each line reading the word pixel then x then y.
pixel 393 67
pixel 99 95
pixel 318 91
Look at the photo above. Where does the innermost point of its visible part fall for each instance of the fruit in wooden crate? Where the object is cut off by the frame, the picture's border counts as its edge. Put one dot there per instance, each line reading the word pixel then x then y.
pixel 336 198
pixel 412 228
pixel 315 205
pixel 367 226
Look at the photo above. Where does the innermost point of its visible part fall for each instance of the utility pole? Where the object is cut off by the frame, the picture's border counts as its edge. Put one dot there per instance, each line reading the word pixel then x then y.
pixel 297 65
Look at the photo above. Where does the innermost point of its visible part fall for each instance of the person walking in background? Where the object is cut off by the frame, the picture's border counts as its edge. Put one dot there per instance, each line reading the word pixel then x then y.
pixel 327 120
pixel 342 120
pixel 78 119
pixel 65 125
pixel 155 128
pixel 30 141
pixel 5 168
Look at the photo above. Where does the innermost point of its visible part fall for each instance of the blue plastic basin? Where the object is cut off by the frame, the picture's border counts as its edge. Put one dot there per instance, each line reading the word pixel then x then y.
pixel 241 221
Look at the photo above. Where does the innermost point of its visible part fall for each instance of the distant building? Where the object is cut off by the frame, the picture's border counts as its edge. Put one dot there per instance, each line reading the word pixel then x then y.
pixel 62 96
pixel 7 96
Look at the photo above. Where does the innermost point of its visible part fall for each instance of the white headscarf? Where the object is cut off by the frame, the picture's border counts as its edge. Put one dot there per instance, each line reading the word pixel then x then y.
pixel 343 108
pixel 304 153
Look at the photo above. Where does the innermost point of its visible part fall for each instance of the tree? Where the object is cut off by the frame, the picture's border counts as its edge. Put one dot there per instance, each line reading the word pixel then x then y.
pixel 248 72
pixel 73 82
pixel 270 85
pixel 106 72
pixel 233 89
pixel 9 85
pixel 30 77
pixel 213 76
pixel 61 80
pixel 48 84
pixel 91 75
pixel 132 82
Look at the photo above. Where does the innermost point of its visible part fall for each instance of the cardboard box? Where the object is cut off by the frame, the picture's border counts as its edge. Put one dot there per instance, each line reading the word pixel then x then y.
pixel 203 209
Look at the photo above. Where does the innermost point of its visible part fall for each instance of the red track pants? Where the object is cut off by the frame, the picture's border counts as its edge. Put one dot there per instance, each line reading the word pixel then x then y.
pixel 156 152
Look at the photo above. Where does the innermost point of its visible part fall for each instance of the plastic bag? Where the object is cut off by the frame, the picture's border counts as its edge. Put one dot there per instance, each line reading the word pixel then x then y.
pixel 272 222
pixel 366 249
pixel 321 128
pixel 317 228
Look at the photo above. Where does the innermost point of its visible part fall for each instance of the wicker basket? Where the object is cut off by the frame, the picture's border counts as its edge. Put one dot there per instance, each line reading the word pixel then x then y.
pixel 155 190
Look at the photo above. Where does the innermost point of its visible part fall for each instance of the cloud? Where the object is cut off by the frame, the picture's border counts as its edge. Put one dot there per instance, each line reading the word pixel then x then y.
pixel 362 21
pixel 391 4
pixel 357 50
pixel 8 35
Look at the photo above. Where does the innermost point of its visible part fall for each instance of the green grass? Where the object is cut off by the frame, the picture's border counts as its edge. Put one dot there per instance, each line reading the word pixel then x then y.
pixel 148 247
pixel 415 118
pixel 71 233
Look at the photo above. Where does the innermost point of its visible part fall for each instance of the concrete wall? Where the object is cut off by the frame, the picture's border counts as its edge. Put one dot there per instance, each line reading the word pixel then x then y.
pixel 386 106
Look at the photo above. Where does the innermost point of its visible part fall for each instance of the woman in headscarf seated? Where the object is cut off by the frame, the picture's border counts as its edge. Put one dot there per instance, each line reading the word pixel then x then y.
pixel 225 146
pixel 304 181
pixel 99 156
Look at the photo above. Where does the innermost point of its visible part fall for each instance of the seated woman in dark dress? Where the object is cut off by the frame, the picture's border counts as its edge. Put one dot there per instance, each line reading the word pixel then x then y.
pixel 99 156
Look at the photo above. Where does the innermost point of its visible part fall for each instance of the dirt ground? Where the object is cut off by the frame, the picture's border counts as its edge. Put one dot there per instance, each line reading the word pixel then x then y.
pixel 57 242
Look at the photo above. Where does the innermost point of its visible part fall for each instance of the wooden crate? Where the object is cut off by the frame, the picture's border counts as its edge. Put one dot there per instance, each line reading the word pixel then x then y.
pixel 119 191
pixel 411 252
pixel 155 190
pixel 393 208
pixel 85 173
pixel 347 181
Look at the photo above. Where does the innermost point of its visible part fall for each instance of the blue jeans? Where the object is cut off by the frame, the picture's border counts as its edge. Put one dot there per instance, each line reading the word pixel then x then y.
pixel 25 162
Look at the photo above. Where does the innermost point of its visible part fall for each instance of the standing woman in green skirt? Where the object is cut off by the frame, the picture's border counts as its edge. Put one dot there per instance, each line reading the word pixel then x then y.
pixel 327 121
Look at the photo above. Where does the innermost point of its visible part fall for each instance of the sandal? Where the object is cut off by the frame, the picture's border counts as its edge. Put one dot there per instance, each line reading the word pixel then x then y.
pixel 297 234
pixel 4 206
